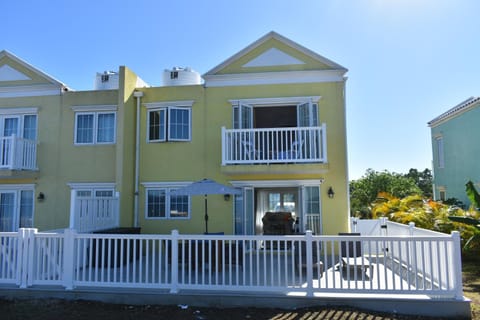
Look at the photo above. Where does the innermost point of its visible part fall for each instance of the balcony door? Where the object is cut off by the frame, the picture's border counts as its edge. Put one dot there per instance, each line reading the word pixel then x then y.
pixel 9 125
pixel 243 116
pixel 246 116
pixel 307 114
pixel 16 209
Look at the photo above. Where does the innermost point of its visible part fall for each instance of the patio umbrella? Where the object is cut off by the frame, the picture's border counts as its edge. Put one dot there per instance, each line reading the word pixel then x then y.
pixel 205 187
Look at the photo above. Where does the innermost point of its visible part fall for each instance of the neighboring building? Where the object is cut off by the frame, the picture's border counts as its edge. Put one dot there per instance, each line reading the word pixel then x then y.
pixel 456 150
pixel 261 121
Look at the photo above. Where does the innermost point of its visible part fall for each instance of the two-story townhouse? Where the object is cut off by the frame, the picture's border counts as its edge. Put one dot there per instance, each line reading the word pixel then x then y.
pixel 65 154
pixel 269 121
pixel 30 104
pixel 455 149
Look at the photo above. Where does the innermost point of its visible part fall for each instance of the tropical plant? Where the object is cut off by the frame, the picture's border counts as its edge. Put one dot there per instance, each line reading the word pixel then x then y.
pixel 364 191
pixel 471 218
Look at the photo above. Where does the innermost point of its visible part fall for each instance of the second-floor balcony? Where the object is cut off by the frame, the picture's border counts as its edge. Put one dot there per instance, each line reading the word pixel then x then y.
pixel 18 153
pixel 274 145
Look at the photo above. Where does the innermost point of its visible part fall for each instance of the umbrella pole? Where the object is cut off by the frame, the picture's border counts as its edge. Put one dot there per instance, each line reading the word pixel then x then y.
pixel 206 215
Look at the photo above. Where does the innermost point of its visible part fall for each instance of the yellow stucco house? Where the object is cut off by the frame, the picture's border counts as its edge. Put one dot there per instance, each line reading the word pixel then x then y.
pixel 268 121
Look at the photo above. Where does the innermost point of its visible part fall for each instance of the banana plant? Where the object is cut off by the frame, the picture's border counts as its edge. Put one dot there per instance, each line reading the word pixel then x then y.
pixel 474 197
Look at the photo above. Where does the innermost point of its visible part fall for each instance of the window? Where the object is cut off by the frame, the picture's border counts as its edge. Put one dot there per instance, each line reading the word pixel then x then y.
pixel 16 208
pixel 440 152
pixel 169 124
pixel 94 127
pixel 442 195
pixel 24 126
pixel 169 121
pixel 160 204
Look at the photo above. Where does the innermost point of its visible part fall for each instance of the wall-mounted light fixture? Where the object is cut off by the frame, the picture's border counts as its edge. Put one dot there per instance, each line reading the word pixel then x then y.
pixel 226 197
pixel 330 192
pixel 41 196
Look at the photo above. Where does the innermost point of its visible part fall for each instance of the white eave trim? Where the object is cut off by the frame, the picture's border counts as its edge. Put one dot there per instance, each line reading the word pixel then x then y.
pixel 164 104
pixel 95 108
pixel 276 183
pixel 282 77
pixel 30 91
pixel 276 100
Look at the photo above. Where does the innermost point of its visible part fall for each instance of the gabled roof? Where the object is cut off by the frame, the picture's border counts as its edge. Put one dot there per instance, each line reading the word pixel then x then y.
pixel 330 65
pixel 459 108
pixel 11 73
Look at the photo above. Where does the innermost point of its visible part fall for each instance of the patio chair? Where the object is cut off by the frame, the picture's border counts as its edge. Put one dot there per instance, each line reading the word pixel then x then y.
pixel 300 258
pixel 295 151
pixel 351 256
pixel 249 151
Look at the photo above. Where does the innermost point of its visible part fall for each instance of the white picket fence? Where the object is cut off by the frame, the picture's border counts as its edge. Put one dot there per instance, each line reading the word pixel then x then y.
pixel 307 264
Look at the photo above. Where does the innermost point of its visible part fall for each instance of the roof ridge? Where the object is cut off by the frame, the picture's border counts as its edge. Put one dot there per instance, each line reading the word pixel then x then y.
pixel 457 108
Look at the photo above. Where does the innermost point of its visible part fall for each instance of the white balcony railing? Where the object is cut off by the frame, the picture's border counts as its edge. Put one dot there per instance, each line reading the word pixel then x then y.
pixel 274 145
pixel 18 153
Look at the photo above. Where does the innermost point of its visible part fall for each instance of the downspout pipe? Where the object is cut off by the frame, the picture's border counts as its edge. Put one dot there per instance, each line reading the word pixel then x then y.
pixel 138 95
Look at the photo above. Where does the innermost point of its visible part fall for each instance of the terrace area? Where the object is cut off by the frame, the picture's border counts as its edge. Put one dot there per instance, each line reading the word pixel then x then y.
pixel 390 262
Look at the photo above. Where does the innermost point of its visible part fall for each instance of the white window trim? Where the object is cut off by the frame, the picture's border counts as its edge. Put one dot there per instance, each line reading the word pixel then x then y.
pixel 95 127
pixel 167 187
pixel 167 106
pixel 189 138
pixel 17 189
pixel 440 153
pixel 276 101
pixel 91 185
pixel 19 111
pixel 95 108
pixel 164 109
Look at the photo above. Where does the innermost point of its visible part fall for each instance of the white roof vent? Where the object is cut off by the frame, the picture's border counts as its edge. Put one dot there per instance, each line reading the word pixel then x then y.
pixel 108 80
pixel 178 76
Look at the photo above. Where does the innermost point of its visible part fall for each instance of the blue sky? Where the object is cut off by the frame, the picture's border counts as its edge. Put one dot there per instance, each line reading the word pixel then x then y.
pixel 408 60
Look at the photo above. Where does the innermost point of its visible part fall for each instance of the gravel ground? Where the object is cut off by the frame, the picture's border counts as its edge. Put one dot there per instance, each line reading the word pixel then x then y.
pixel 75 310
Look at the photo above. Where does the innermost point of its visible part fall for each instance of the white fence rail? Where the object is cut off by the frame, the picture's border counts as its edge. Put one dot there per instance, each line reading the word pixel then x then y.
pixel 274 145
pixel 17 153
pixel 301 263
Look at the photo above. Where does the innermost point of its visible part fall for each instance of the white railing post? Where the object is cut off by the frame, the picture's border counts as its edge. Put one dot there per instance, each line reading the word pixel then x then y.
pixel 13 149
pixel 26 237
pixel 174 261
pixel 309 262
pixel 457 264
pixel 224 146
pixel 411 228
pixel 323 147
pixel 22 258
pixel 73 202
pixel 68 257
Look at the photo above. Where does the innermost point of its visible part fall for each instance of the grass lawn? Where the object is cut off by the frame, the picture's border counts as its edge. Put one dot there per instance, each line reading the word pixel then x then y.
pixel 471 286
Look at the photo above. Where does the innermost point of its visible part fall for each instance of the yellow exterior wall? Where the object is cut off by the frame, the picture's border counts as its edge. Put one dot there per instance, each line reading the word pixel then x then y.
pixel 61 162
pixel 201 157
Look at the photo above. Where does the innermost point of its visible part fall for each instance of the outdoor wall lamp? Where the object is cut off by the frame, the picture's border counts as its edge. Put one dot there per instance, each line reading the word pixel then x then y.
pixel 41 196
pixel 330 192
pixel 226 197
